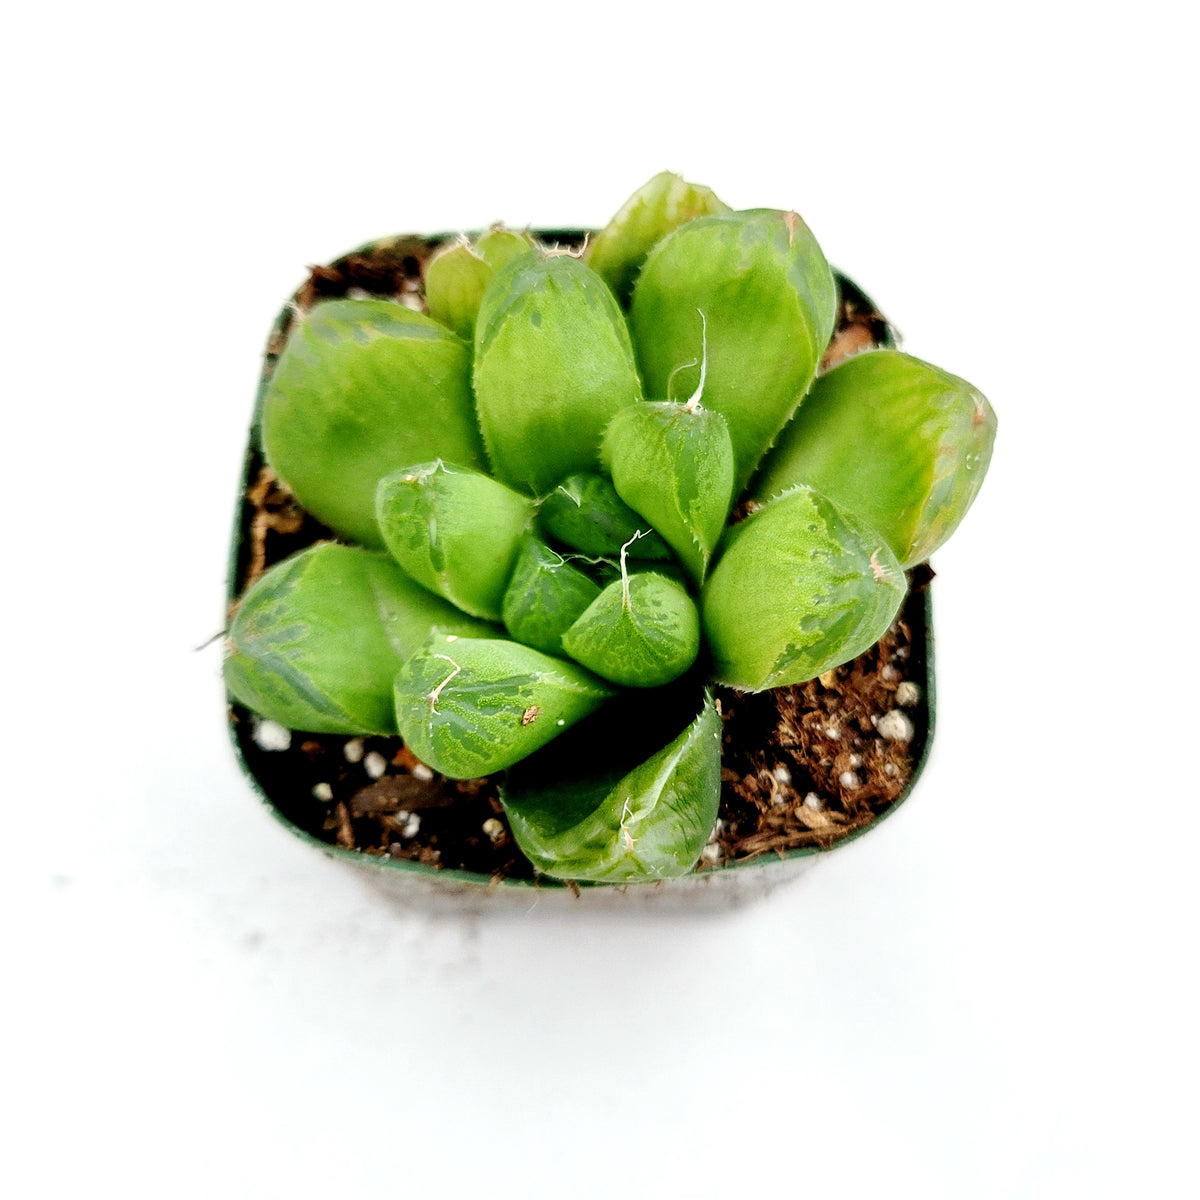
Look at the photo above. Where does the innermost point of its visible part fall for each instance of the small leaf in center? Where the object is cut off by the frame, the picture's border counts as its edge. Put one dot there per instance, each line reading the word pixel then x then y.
pixel 641 631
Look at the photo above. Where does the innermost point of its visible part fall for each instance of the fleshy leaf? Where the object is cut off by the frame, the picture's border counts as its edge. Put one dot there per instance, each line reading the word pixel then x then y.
pixel 454 531
pixel 800 587
pixel 902 444
pixel 361 386
pixel 673 463
pixel 318 639
pixel 667 201
pixel 471 706
pixel 499 246
pixel 545 596
pixel 581 809
pixel 585 512
pixel 553 363
pixel 455 280
pixel 458 275
pixel 641 631
pixel 763 286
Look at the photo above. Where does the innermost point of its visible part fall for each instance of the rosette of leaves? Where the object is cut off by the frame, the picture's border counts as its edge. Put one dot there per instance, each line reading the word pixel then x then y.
pixel 537 482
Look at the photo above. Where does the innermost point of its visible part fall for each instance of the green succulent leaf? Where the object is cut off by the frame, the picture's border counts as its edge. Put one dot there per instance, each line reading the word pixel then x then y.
pixel 800 587
pixel 455 281
pixel 667 201
pixel 455 531
pixel 545 596
pixel 902 444
pixel 673 463
pixel 603 804
pixel 499 246
pixel 362 385
pixel 763 286
pixel 553 363
pixel 641 631
pixel 318 639
pixel 585 512
pixel 458 275
pixel 471 706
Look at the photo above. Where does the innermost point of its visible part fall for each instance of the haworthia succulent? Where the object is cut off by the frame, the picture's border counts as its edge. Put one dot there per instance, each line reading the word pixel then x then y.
pixel 362 386
pixel 454 531
pixel 667 201
pixel 471 706
pixel 673 463
pixel 585 512
pixel 553 363
pixel 902 444
pixel 581 810
pixel 800 587
pixel 641 631
pixel 762 285
pixel 545 596
pixel 318 639
pixel 541 472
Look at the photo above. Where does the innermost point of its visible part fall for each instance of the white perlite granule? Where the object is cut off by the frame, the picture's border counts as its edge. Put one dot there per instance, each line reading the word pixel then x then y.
pixel 422 772
pixel 322 792
pixel 895 726
pixel 375 764
pixel 493 828
pixel 270 735
pixel 908 694
pixel 353 750
pixel 848 779
pixel 813 801
pixel 782 774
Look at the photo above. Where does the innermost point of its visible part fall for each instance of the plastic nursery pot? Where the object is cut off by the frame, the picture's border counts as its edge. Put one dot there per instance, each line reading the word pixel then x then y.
pixel 367 802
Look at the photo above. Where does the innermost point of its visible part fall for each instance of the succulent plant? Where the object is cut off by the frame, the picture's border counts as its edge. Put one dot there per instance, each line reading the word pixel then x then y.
pixel 580 492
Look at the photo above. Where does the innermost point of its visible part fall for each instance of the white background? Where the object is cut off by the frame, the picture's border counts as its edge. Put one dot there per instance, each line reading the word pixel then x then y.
pixel 994 995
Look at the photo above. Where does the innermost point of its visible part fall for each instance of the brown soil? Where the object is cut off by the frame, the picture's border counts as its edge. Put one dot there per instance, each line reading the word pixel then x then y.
pixel 804 766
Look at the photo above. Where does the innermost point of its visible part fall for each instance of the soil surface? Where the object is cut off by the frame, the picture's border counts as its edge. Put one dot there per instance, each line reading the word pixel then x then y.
pixel 803 766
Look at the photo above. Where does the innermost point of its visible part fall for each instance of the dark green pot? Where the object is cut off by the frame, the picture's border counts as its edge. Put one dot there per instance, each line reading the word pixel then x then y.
pixel 400 258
